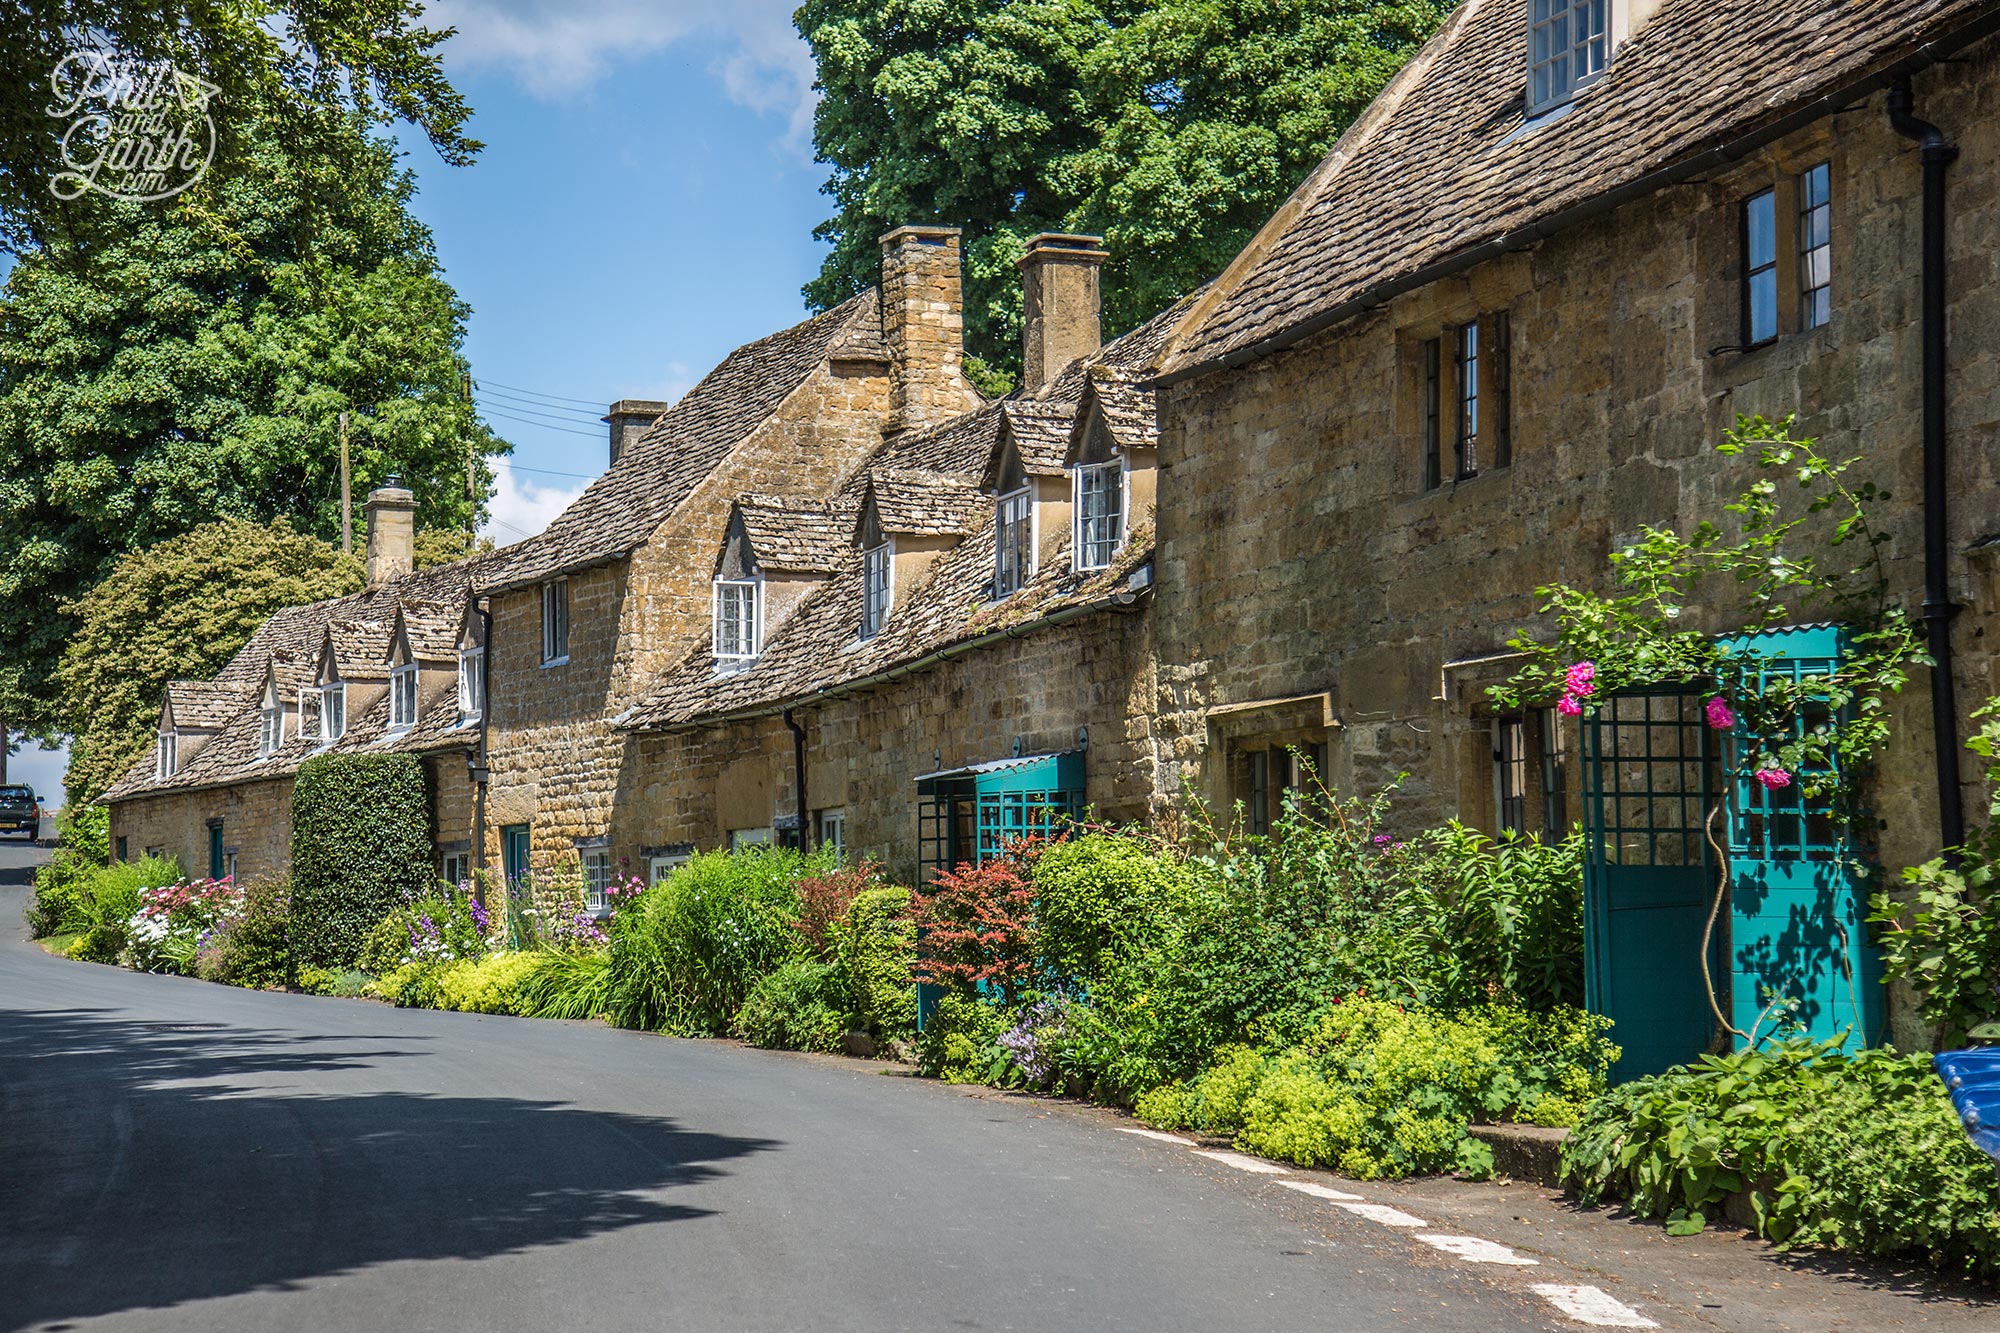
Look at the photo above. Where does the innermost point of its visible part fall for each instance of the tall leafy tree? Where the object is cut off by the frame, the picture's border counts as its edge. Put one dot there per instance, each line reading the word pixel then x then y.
pixel 193 363
pixel 1171 127
pixel 307 67
pixel 176 611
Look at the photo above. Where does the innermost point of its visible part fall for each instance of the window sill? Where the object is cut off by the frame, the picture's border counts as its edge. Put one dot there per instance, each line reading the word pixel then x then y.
pixel 1451 488
pixel 555 661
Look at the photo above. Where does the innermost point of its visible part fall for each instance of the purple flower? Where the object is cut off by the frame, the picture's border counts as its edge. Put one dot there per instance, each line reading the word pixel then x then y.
pixel 1383 840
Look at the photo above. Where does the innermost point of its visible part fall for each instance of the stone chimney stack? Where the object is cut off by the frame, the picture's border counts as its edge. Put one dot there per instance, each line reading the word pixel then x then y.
pixel 628 419
pixel 1060 304
pixel 923 325
pixel 392 532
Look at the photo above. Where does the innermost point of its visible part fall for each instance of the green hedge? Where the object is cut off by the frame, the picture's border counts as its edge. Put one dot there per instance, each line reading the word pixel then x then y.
pixel 361 846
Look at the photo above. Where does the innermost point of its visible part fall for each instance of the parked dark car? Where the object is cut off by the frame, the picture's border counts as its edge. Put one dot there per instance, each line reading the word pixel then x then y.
pixel 20 812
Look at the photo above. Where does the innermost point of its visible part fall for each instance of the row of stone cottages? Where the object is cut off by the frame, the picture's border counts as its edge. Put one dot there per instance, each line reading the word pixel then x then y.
pixel 832 595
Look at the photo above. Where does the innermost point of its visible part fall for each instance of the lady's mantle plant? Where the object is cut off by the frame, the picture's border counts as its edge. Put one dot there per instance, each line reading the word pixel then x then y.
pixel 1802 549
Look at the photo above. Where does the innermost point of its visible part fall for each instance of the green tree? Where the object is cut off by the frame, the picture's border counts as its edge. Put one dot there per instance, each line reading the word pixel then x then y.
pixel 309 69
pixel 195 363
pixel 177 611
pixel 1173 128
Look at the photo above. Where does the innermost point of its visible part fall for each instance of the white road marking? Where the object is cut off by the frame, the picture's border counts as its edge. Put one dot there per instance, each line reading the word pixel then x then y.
pixel 1156 1134
pixel 1474 1250
pixel 1242 1163
pixel 1591 1305
pixel 1318 1191
pixel 1383 1213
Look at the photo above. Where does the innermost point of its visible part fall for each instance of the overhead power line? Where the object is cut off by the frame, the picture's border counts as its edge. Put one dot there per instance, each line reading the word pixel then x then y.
pixel 537 393
pixel 543 425
pixel 536 412
pixel 539 405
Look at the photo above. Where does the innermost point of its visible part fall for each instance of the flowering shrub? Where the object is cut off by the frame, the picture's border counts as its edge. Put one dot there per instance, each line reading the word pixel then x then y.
pixel 175 920
pixel 1031 1042
pixel 252 946
pixel 1379 1089
pixel 444 926
pixel 975 925
pixel 825 898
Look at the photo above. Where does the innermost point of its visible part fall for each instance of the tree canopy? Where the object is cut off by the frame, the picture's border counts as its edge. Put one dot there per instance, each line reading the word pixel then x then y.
pixel 309 69
pixel 192 363
pixel 1172 128
pixel 176 611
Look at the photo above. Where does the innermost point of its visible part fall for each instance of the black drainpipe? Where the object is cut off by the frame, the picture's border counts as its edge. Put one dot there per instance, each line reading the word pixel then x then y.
pixel 799 778
pixel 479 769
pixel 1938 153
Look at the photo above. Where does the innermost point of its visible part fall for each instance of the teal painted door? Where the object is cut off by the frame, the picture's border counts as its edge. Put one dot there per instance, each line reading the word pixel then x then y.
pixel 1650 779
pixel 1797 928
pixel 514 853
pixel 215 851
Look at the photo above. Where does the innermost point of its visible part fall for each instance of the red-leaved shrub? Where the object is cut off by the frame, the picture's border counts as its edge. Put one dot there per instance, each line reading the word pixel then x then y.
pixel 976 924
pixel 824 899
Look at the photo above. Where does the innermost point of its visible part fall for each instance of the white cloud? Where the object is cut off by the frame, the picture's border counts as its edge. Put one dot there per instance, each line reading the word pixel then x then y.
pixel 522 506
pixel 557 49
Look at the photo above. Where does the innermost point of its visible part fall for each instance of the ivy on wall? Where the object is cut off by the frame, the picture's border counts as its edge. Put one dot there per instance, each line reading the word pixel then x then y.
pixel 361 846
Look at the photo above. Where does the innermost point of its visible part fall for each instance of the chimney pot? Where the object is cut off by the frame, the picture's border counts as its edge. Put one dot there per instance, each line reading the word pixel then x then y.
pixel 1060 303
pixel 923 325
pixel 628 419
pixel 392 533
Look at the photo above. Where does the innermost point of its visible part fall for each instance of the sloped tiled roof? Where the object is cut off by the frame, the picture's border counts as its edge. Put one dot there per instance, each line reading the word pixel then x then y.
pixel 924 503
pixel 289 643
pixel 621 509
pixel 818 647
pixel 432 629
pixel 361 647
pixel 1040 431
pixel 1441 168
pixel 206 705
pixel 797 534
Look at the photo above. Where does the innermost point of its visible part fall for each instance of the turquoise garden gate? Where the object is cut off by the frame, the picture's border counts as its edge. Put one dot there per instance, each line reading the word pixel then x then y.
pixel 1797 921
pixel 1653 772
pixel 970 814
pixel 1650 769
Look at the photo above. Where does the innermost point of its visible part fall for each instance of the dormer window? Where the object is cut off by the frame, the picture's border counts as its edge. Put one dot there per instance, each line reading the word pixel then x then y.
pixel 332 709
pixel 403 697
pixel 1100 513
pixel 877 578
pixel 737 637
pixel 1569 43
pixel 271 729
pixel 1014 542
pixel 167 759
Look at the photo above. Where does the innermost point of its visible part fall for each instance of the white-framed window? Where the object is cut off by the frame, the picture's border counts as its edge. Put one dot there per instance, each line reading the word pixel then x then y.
pixel 555 622
pixel 167 759
pixel 455 868
pixel 1014 542
pixel 740 838
pixel 596 878
pixel 1569 44
pixel 403 696
pixel 308 713
pixel 1815 189
pixel 332 711
pixel 736 617
pixel 877 586
pixel 471 683
pixel 659 867
pixel 229 866
pixel 833 831
pixel 271 729
pixel 1100 513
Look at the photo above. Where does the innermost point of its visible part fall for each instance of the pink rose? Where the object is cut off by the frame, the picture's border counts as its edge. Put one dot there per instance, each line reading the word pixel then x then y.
pixel 1569 707
pixel 1719 716
pixel 1774 778
pixel 1580 680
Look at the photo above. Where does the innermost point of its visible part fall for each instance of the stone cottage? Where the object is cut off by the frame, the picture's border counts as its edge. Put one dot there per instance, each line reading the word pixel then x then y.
pixel 1501 327
pixel 377 672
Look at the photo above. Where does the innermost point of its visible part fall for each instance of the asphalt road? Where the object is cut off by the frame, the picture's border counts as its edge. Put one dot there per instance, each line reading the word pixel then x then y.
pixel 180 1155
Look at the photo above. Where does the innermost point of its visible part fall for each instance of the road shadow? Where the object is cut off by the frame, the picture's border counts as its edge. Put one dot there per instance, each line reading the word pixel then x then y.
pixel 148 1164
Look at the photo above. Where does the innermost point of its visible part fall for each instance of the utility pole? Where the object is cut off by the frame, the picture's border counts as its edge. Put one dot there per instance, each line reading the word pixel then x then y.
pixel 3 759
pixel 471 467
pixel 346 494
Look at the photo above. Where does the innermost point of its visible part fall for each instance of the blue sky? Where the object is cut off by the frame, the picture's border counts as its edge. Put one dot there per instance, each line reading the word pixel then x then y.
pixel 645 203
